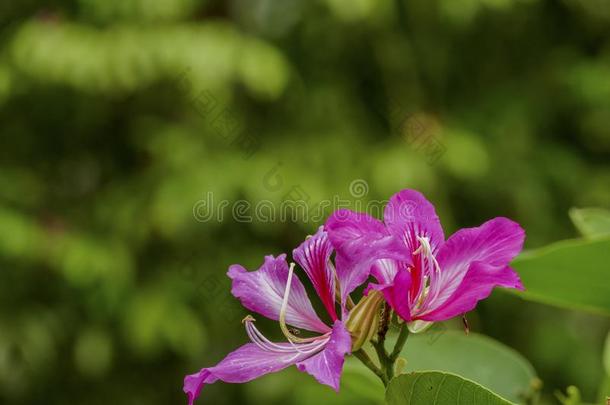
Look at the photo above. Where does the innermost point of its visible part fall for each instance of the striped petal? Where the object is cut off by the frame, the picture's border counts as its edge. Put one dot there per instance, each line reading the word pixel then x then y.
pixel 262 291
pixel 359 241
pixel 409 215
pixel 314 255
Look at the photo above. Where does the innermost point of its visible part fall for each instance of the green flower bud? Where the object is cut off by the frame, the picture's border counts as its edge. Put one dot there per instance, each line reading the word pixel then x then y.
pixel 364 319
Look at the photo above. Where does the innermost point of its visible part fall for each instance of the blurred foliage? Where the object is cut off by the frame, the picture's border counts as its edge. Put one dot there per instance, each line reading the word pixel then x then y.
pixel 118 116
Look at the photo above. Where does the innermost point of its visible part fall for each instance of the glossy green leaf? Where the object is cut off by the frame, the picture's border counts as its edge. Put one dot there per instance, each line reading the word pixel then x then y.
pixel 437 388
pixel 571 274
pixel 475 357
pixel 591 222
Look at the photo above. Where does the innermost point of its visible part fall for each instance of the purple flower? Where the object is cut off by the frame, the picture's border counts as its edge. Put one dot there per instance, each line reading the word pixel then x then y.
pixel 275 292
pixel 423 277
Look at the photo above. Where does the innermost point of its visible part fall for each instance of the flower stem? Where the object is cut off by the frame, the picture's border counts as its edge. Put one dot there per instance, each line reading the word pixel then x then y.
pixel 400 342
pixel 366 360
pixel 387 364
pixel 386 361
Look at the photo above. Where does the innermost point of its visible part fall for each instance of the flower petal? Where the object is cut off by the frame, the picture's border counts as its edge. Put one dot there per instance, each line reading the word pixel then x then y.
pixel 478 283
pixel 313 255
pixel 385 270
pixel 409 215
pixel 397 293
pixel 263 290
pixel 327 365
pixel 359 240
pixel 244 364
pixel 496 242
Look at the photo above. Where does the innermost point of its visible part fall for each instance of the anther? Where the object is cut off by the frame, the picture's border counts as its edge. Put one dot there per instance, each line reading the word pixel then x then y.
pixel 248 318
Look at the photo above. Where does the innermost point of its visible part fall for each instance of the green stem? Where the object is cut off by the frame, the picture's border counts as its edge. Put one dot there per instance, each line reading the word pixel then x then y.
pixel 386 361
pixel 366 360
pixel 400 342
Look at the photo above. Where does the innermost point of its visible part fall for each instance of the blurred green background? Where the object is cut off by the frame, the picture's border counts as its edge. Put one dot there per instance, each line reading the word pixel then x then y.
pixel 118 117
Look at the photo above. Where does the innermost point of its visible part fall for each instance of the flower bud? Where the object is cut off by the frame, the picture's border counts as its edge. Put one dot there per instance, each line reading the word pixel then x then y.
pixel 400 365
pixel 364 319
pixel 418 326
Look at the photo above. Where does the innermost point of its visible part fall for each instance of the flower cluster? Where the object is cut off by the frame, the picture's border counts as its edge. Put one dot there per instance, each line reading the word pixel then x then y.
pixel 420 275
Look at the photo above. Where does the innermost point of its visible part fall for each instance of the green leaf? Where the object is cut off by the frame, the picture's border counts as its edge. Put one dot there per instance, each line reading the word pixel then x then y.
pixel 571 274
pixel 437 388
pixel 475 357
pixel 591 222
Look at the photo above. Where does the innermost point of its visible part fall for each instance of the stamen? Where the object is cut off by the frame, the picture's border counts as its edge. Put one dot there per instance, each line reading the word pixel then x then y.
pixel 429 287
pixel 262 342
pixel 248 318
pixel 422 251
pixel 315 348
pixel 435 285
pixel 291 338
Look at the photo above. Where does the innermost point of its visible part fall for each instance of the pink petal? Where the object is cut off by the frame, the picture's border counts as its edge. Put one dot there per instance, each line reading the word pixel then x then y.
pixel 496 243
pixel 408 215
pixel 476 285
pixel 263 290
pixel 327 365
pixel 244 364
pixel 314 255
pixel 396 294
pixel 385 270
pixel 359 240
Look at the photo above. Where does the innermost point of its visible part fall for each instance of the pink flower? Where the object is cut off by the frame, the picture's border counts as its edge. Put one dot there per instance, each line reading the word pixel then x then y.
pixel 275 292
pixel 423 277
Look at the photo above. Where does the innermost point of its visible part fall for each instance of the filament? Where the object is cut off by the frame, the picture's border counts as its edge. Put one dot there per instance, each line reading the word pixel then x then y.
pixel 289 335
pixel 431 272
pixel 265 344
